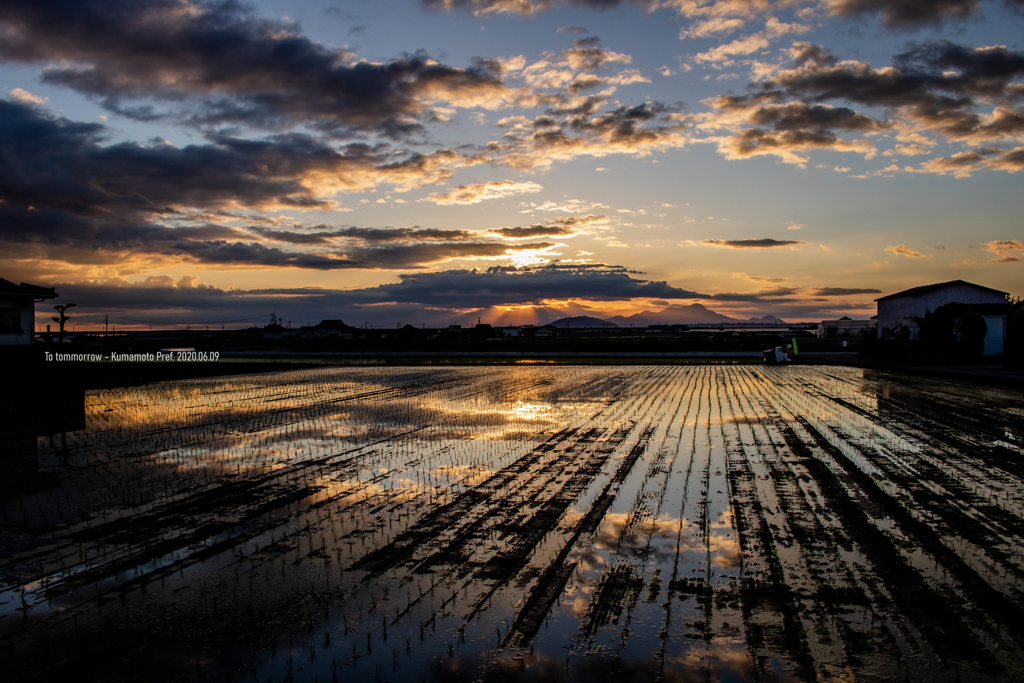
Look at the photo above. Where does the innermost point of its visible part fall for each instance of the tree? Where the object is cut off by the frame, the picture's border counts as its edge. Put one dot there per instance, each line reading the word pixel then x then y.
pixel 900 332
pixel 953 330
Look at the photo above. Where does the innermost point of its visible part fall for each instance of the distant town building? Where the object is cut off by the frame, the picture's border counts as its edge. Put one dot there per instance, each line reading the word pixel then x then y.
pixel 18 311
pixel 900 311
pixel 278 331
pixel 336 326
pixel 845 327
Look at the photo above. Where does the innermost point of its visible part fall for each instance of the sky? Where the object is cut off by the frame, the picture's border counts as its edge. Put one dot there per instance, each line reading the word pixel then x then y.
pixel 443 161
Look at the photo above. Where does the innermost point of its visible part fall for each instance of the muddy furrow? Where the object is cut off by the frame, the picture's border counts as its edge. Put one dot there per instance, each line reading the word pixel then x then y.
pixel 945 632
pixel 771 605
pixel 936 614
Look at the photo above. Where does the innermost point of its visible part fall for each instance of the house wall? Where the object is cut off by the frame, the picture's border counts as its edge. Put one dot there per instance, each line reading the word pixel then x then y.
pixel 892 312
pixel 27 315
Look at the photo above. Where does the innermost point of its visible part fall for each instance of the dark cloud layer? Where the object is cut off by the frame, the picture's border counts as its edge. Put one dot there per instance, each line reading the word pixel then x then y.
pixel 218 62
pixel 53 162
pixel 505 285
pixel 762 243
pixel 63 191
pixel 368 235
pixel 533 231
pixel 416 297
pixel 431 298
pixel 903 14
pixel 843 291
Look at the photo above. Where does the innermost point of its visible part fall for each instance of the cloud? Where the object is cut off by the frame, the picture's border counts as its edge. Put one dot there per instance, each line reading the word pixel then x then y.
pixel 416 297
pixel 740 46
pixel 712 26
pixel 933 86
pixel 572 29
pixel 765 295
pixel 528 7
pixel 474 194
pixel 794 127
pixel 907 14
pixel 507 286
pixel 760 279
pixel 939 86
pixel 61 164
pixel 175 52
pixel 894 14
pixel 588 55
pixel 432 298
pixel 762 243
pixel 560 227
pixel 69 198
pixel 569 134
pixel 755 42
pixel 532 231
pixel 364 235
pixel 388 257
pixel 904 250
pixel 25 96
pixel 168 58
pixel 486 7
pixel 963 164
pixel 1006 251
pixel 842 291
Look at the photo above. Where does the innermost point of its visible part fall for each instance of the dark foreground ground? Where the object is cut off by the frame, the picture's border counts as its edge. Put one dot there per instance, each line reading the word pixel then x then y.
pixel 680 523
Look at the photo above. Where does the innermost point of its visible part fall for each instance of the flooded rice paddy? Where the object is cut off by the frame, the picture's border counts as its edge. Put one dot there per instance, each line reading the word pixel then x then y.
pixel 708 523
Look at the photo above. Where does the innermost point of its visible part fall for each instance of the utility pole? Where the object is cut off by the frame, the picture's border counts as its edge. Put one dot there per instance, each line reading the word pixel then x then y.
pixel 62 319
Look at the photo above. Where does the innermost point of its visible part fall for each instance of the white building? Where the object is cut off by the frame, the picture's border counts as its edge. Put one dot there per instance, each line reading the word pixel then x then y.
pixel 18 311
pixel 903 307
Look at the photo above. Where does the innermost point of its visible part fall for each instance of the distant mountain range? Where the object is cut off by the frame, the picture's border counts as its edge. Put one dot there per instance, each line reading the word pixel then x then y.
pixel 694 314
pixel 582 321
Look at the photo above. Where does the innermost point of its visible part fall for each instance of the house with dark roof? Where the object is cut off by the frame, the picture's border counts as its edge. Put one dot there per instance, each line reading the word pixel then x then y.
pixel 332 325
pixel 903 309
pixel 18 311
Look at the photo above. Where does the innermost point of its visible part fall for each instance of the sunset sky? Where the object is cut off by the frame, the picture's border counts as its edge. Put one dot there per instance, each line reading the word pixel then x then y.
pixel 432 161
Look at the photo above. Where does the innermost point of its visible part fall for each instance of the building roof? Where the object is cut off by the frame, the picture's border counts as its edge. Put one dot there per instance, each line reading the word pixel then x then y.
pixel 25 289
pixel 925 289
